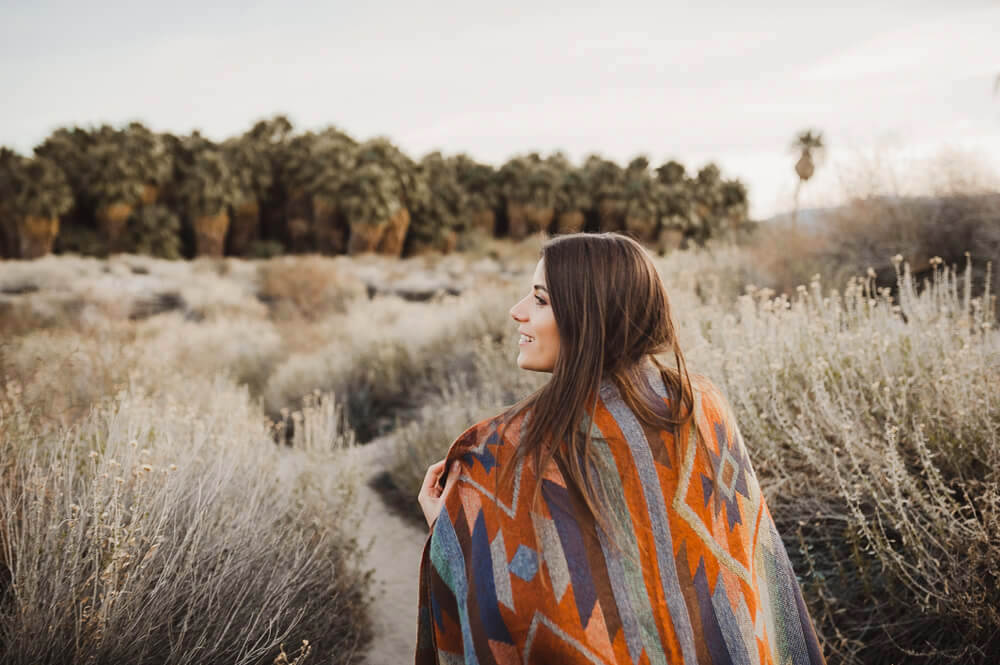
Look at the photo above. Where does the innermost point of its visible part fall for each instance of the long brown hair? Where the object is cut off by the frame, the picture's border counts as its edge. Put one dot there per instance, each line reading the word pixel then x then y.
pixel 613 317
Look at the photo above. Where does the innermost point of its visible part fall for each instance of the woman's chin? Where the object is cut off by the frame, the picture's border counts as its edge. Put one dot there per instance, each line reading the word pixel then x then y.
pixel 530 366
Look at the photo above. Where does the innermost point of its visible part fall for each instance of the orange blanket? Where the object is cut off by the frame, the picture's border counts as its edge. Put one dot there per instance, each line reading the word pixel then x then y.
pixel 702 576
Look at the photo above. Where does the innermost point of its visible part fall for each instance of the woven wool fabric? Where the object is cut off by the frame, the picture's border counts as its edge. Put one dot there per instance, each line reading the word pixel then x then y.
pixel 698 574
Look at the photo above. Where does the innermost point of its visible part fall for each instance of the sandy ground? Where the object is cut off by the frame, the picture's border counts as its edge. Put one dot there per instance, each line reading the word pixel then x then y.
pixel 395 557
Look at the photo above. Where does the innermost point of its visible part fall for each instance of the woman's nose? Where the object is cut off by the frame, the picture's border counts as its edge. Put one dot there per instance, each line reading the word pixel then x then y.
pixel 514 313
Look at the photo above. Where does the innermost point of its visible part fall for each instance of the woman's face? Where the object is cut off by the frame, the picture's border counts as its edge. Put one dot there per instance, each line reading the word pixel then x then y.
pixel 539 338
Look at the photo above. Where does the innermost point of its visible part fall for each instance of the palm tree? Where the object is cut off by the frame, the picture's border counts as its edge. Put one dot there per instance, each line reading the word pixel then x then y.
pixel 154 230
pixel 33 194
pixel 252 171
pixel 312 170
pixel 607 181
pixel 643 199
pixel 9 241
pixel 445 217
pixel 528 186
pixel 270 138
pixel 68 148
pixel 809 146
pixel 482 187
pixel 676 205
pixel 203 189
pixel 573 198
pixel 397 188
pixel 111 171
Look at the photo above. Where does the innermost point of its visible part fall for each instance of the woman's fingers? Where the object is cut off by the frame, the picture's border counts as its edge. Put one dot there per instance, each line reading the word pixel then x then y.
pixel 432 476
pixel 432 495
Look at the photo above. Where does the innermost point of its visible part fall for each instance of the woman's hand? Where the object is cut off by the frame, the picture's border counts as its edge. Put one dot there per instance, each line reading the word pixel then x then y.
pixel 432 496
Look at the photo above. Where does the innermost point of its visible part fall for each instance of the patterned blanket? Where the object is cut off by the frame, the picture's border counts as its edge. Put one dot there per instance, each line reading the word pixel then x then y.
pixel 701 575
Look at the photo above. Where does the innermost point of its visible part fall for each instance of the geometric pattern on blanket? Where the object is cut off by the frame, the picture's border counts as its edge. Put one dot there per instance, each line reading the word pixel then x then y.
pixel 693 572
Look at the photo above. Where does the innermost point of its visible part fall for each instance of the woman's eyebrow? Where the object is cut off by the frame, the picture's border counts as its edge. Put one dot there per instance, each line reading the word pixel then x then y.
pixel 539 286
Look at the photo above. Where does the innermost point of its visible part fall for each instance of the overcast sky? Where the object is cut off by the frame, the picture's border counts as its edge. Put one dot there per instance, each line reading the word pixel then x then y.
pixel 901 81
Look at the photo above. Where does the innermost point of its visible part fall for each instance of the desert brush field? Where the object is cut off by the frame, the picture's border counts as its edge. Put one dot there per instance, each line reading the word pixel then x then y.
pixel 217 460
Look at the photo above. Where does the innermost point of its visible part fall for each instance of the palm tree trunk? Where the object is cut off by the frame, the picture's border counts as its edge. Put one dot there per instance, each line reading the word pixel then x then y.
pixel 210 233
pixel 795 208
pixel 37 235
pixel 111 221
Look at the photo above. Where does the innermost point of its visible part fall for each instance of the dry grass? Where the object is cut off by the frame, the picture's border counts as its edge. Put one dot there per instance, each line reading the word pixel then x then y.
pixel 389 357
pixel 466 398
pixel 871 413
pixel 307 287
pixel 166 526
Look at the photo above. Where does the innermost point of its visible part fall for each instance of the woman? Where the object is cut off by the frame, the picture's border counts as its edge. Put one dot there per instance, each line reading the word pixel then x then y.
pixel 612 516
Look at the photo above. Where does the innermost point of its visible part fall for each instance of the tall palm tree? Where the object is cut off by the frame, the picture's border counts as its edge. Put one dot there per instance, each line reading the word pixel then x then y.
pixel 397 187
pixel 251 166
pixel 270 137
pixel 676 205
pixel 203 189
pixel 528 186
pixel 643 199
pixel 312 170
pixel 607 182
pixel 154 230
pixel 111 171
pixel 33 194
pixel 573 198
pixel 809 146
pixel 483 190
pixel 445 217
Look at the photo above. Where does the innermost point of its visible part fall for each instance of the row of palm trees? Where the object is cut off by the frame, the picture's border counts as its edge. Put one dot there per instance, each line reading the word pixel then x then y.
pixel 271 190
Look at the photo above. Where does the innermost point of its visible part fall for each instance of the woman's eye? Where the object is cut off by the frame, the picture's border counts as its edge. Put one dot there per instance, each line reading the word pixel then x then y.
pixel 539 300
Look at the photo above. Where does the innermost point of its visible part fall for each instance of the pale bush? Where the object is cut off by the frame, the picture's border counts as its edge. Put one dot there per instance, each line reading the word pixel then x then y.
pixel 391 356
pixel 464 400
pixel 307 287
pixel 167 527
pixel 62 372
pixel 245 349
pixel 71 291
pixel 714 275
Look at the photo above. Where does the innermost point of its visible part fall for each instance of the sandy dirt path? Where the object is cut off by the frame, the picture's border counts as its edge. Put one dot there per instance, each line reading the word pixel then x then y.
pixel 395 558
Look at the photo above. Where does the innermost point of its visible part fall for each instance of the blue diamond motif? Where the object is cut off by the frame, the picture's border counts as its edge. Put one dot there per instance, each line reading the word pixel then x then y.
pixel 525 563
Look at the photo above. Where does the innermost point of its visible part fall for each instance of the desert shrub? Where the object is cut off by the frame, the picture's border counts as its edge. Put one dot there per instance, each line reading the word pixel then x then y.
pixel 62 373
pixel 390 356
pixel 307 287
pixel 869 231
pixel 246 350
pixel 714 274
pixel 788 255
pixel 166 527
pixel 465 399
pixel 875 428
pixel 871 228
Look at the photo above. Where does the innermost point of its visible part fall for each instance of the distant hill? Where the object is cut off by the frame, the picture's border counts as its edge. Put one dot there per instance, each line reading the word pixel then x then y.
pixel 811 218
pixel 814 218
